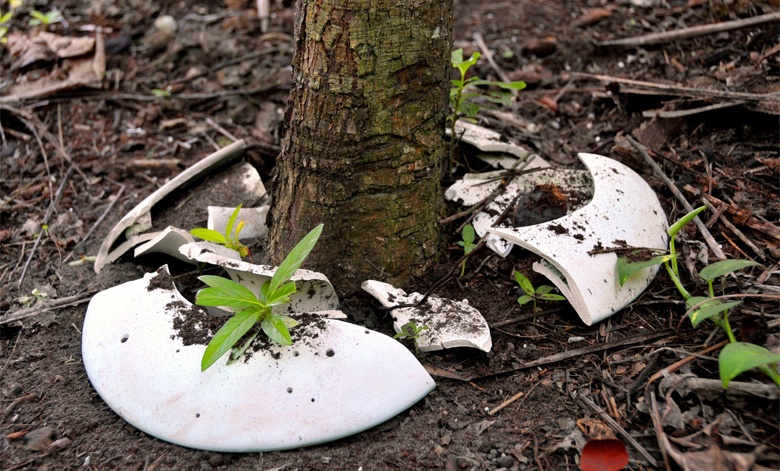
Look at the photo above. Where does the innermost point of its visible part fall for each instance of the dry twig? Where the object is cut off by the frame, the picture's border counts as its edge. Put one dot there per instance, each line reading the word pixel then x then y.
pixel 692 32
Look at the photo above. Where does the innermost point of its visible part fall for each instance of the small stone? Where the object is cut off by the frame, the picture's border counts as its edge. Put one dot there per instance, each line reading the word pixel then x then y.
pixel 504 461
pixel 61 444
pixel 40 439
pixel 446 439
pixel 216 460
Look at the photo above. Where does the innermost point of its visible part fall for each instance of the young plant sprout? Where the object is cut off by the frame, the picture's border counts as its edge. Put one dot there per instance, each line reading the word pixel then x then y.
pixel 463 93
pixel 251 309
pixel 736 357
pixel 229 239
pixel 467 243
pixel 411 331
pixel 542 293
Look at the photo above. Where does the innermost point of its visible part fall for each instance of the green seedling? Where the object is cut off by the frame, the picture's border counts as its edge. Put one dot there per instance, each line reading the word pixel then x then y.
pixel 36 295
pixel 464 93
pixel 162 92
pixel 45 19
pixel 251 309
pixel 229 239
pixel 467 243
pixel 5 19
pixel 411 331
pixel 736 357
pixel 541 293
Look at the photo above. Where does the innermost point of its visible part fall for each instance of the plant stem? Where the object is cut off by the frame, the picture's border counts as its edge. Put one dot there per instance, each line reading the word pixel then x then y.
pixel 676 280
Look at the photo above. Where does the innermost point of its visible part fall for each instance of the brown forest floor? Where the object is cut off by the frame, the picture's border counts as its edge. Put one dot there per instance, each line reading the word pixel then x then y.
pixel 122 141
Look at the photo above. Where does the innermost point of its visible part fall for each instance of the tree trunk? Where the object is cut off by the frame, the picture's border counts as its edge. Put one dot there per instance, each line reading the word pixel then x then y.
pixel 364 143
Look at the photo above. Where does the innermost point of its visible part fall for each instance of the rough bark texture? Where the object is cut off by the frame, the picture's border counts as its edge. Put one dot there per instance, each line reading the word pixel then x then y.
pixel 364 142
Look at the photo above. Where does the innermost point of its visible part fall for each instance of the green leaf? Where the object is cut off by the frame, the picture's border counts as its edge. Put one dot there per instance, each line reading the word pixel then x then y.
pixel 544 289
pixel 683 221
pixel 276 330
pixel 710 307
pixel 551 297
pixel 231 222
pixel 289 321
pixel 626 268
pixel 456 57
pixel 468 234
pixel 209 235
pixel 724 267
pixel 525 284
pixel 225 292
pixel 525 299
pixel 469 109
pixel 228 335
pixel 294 259
pixel 281 295
pixel 5 18
pixel 738 357
pixel 519 85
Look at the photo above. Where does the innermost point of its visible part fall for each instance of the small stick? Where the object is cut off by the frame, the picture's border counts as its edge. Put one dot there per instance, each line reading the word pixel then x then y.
pixel 489 56
pixel 54 203
pixel 22 314
pixel 612 423
pixel 705 233
pixel 691 32
pixel 741 236
pixel 684 91
pixel 221 130
pixel 506 403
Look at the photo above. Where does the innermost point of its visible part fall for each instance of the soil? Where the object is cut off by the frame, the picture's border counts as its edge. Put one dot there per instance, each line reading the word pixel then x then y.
pixel 227 79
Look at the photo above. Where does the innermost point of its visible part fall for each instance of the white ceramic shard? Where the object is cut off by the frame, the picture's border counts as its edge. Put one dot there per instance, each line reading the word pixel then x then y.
pixel 254 221
pixel 450 323
pixel 314 291
pixel 168 242
pixel 111 249
pixel 624 211
pixel 502 154
pixel 473 188
pixel 337 379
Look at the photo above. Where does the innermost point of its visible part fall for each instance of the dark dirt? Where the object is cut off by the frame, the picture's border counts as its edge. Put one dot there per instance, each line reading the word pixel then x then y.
pixel 226 78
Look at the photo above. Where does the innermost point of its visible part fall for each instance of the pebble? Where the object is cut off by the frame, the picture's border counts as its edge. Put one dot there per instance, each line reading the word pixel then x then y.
pixel 40 439
pixel 504 461
pixel 61 444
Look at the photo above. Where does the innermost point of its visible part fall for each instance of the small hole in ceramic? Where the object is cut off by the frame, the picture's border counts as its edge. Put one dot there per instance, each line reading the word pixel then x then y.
pixel 312 399
pixel 295 354
pixel 289 390
pixel 197 415
pixel 329 352
pixel 124 338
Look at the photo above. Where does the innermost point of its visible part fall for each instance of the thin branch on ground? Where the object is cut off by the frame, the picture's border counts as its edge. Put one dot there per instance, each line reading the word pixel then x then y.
pixel 684 91
pixel 58 303
pixel 692 32
pixel 49 212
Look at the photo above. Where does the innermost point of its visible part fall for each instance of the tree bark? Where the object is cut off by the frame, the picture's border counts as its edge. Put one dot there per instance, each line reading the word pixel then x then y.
pixel 364 143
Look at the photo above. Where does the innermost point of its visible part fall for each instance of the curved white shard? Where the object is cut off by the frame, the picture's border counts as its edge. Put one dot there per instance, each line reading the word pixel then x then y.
pixel 336 379
pixel 138 220
pixel 624 210
pixel 450 323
